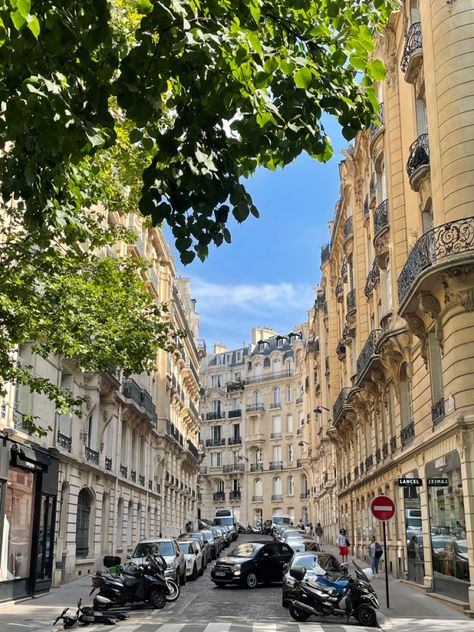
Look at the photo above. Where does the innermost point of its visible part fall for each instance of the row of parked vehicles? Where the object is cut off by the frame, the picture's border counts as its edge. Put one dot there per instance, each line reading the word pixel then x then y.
pixel 158 567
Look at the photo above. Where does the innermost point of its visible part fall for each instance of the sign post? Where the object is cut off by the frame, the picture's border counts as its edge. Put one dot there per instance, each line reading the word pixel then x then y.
pixel 383 509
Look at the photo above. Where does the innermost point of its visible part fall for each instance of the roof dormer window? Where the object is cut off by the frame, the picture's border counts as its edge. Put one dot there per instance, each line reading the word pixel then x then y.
pixel 280 342
pixel 261 346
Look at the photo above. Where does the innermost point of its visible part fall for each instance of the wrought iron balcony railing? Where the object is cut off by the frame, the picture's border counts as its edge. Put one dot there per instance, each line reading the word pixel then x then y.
pixel 91 455
pixel 108 464
pixel 218 496
pixel 64 441
pixel 437 411
pixel 215 442
pixel 393 444
pixel 235 413
pixel 347 230
pixel 443 242
pixel 123 471
pixel 376 127
pixel 351 301
pixel 340 403
pixel 276 497
pixel 141 480
pixel 256 467
pixel 339 291
pixel 325 253
pixel 233 467
pixel 133 476
pixel 413 42
pixel 235 495
pixel 372 279
pixel 255 408
pixel 341 349
pixel 407 433
pixel 418 154
pixel 369 461
pixel 275 435
pixel 381 217
pixel 234 440
pixel 378 456
pixel 235 386
pixel 276 465
pixel 385 451
pixel 141 397
pixel 275 405
pixel 193 450
pixel 257 499
pixel 217 414
pixel 368 352
pixel 276 375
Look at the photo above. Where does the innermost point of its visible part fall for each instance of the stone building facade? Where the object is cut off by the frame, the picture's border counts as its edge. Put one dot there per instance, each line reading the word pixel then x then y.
pixel 124 471
pixel 390 340
pixel 251 425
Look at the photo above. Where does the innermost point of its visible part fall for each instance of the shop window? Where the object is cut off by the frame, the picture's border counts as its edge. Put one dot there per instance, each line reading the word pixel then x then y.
pixel 84 510
pixel 17 525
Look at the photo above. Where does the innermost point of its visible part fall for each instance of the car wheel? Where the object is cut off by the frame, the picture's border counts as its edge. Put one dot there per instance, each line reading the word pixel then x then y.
pixel 157 598
pixel 298 615
pixel 367 616
pixel 251 580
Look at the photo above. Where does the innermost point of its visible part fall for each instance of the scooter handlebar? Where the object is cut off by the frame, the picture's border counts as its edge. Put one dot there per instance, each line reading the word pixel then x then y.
pixel 61 616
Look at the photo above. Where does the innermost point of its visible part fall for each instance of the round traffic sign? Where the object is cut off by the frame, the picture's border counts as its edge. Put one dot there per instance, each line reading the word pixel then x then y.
pixel 382 508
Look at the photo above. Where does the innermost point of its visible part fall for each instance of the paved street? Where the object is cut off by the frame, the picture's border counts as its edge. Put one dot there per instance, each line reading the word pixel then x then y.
pixel 204 608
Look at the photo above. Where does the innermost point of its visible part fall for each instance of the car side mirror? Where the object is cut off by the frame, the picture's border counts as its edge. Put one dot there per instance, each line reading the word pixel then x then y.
pixel 298 573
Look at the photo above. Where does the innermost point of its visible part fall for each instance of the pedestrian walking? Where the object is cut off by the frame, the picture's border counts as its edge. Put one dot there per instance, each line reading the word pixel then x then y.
pixel 311 529
pixel 375 553
pixel 319 532
pixel 343 543
pixel 307 529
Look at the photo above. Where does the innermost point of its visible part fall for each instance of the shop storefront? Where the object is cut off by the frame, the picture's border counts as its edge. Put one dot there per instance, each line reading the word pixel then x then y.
pixel 28 490
pixel 413 526
pixel 448 526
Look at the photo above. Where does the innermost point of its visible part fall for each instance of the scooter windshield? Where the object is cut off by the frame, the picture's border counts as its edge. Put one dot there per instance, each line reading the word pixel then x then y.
pixel 360 573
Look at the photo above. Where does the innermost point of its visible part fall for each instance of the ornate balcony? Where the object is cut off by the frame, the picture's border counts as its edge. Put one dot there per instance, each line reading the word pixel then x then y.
pixel 108 464
pixel 367 354
pixel 369 461
pixel 378 456
pixel 277 497
pixel 235 413
pixel 313 346
pixel 133 476
pixel 123 471
pixel 351 301
pixel 193 450
pixel 347 230
pixel 233 467
pixel 140 398
pixel 372 279
pixel 91 455
pixel 150 484
pixel 218 496
pixel 276 465
pixel 215 442
pixel 385 451
pixel 234 440
pixel 212 416
pixel 235 386
pixel 266 377
pixel 256 467
pixel 407 434
pixel 412 52
pixel 393 444
pixel 141 480
pixel 339 291
pixel 257 499
pixel 356 472
pixel 235 495
pixel 325 253
pixel 438 247
pixel 340 404
pixel 255 408
pixel 341 349
pixel 64 441
pixel 275 405
pixel 275 435
pixel 380 218
pixel 437 411
pixel 418 163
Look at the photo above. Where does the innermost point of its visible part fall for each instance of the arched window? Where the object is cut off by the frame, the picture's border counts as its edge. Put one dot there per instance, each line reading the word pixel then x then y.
pixel 257 398
pixel 276 365
pixel 258 369
pixel 436 372
pixel 119 532
pixel 276 397
pixel 83 519
pixel 304 484
pixel 405 397
pixel 277 486
pixel 258 487
pixel 290 486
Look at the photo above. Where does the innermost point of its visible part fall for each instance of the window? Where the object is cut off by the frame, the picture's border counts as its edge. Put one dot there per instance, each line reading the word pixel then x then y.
pixel 216 459
pixel 277 453
pixel 436 370
pixel 280 342
pixel 276 396
pixel 276 425
pixel 216 407
pixel 289 452
pixel 129 523
pixel 290 486
pixel 405 397
pixel 277 486
pixel 65 420
pixel 236 431
pixel 258 369
pixel 220 359
pixel 288 392
pixel 237 377
pixel 228 358
pixel 84 507
pixel 238 356
pixel 258 488
pixel 216 381
pixel 257 398
pixel 216 433
pixel 276 366
pixel 261 346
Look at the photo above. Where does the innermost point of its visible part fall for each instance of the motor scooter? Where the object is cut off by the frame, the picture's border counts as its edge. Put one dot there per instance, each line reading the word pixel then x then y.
pixel 86 616
pixel 173 589
pixel 358 598
pixel 137 584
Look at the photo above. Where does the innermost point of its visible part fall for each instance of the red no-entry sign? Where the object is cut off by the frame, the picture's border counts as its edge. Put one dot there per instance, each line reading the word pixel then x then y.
pixel 382 508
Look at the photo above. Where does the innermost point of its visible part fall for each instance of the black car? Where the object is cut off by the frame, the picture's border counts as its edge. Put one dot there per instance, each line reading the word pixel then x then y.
pixel 252 562
pixel 310 560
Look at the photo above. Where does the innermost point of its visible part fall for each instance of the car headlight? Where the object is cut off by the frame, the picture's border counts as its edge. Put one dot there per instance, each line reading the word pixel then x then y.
pixel 236 569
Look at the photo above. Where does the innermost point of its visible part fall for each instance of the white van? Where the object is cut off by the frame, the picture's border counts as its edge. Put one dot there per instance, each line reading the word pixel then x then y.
pixel 280 520
pixel 225 518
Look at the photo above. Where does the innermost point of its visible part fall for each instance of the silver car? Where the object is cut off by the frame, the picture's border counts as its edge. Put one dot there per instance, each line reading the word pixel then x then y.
pixel 169 549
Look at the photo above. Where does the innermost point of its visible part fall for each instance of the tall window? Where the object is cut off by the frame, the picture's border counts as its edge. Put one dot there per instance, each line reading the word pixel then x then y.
pixel 276 396
pixel 258 369
pixel 118 533
pixel 276 424
pixel 65 420
pixel 288 392
pixel 257 398
pixel 277 490
pixel 258 487
pixel 289 452
pixel 406 409
pixel 216 459
pixel 139 522
pixel 216 433
pixel 216 406
pixel 216 381
pixel 277 453
pixel 276 366
pixel 290 486
pixel 436 370
pixel 289 423
pixel 129 523
pixel 84 508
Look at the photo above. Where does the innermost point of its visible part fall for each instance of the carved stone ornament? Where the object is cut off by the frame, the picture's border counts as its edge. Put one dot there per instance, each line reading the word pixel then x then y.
pixel 429 304
pixel 466 298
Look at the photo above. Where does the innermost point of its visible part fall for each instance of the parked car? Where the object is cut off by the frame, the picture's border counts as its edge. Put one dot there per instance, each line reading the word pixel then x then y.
pixel 193 556
pixel 252 562
pixel 213 542
pixel 169 549
pixel 296 544
pixel 450 557
pixel 205 548
pixel 310 561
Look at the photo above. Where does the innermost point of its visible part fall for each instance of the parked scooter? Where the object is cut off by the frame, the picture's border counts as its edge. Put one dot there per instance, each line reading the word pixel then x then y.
pixel 86 616
pixel 173 589
pixel 358 598
pixel 144 583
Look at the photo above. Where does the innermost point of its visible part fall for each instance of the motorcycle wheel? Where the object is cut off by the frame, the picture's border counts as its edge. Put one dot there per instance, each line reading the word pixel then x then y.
pixel 97 605
pixel 366 615
pixel 173 590
pixel 298 615
pixel 157 598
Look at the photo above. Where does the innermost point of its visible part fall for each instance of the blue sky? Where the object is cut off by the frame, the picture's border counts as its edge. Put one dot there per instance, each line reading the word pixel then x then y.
pixel 266 276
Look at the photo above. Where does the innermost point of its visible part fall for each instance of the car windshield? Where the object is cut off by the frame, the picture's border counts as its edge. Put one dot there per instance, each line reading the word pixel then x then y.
pixel 184 546
pixel 245 550
pixel 280 520
pixel 307 561
pixel 227 521
pixel 143 549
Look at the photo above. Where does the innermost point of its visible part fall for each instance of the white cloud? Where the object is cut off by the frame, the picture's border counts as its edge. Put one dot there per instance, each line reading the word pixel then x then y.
pixel 228 312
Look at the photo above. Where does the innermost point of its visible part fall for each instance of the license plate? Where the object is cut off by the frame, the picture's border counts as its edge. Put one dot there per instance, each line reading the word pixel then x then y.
pixel 220 574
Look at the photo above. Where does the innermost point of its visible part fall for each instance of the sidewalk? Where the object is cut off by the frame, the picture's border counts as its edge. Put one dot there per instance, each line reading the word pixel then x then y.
pixel 40 612
pixel 410 607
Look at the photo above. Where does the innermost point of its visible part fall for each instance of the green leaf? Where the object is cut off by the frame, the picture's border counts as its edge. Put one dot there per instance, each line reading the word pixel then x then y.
pixel 33 25
pixel 144 7
pixel 377 70
pixel 186 257
pixel 18 20
pixel 135 135
pixel 303 78
pixel 23 7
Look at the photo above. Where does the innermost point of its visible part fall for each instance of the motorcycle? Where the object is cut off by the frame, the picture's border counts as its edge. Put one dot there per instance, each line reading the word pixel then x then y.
pixel 138 584
pixel 358 598
pixel 115 567
pixel 86 615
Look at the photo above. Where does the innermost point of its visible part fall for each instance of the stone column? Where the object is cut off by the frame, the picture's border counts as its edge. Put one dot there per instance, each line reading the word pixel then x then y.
pixel 465 440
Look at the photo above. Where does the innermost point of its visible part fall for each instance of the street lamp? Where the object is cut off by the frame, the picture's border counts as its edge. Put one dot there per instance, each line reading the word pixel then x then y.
pixel 319 409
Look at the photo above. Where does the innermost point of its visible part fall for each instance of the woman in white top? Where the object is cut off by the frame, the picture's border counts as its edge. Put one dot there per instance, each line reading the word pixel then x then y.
pixel 343 544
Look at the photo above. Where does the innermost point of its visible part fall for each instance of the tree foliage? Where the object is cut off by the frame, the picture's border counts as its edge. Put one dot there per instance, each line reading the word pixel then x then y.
pixel 208 90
